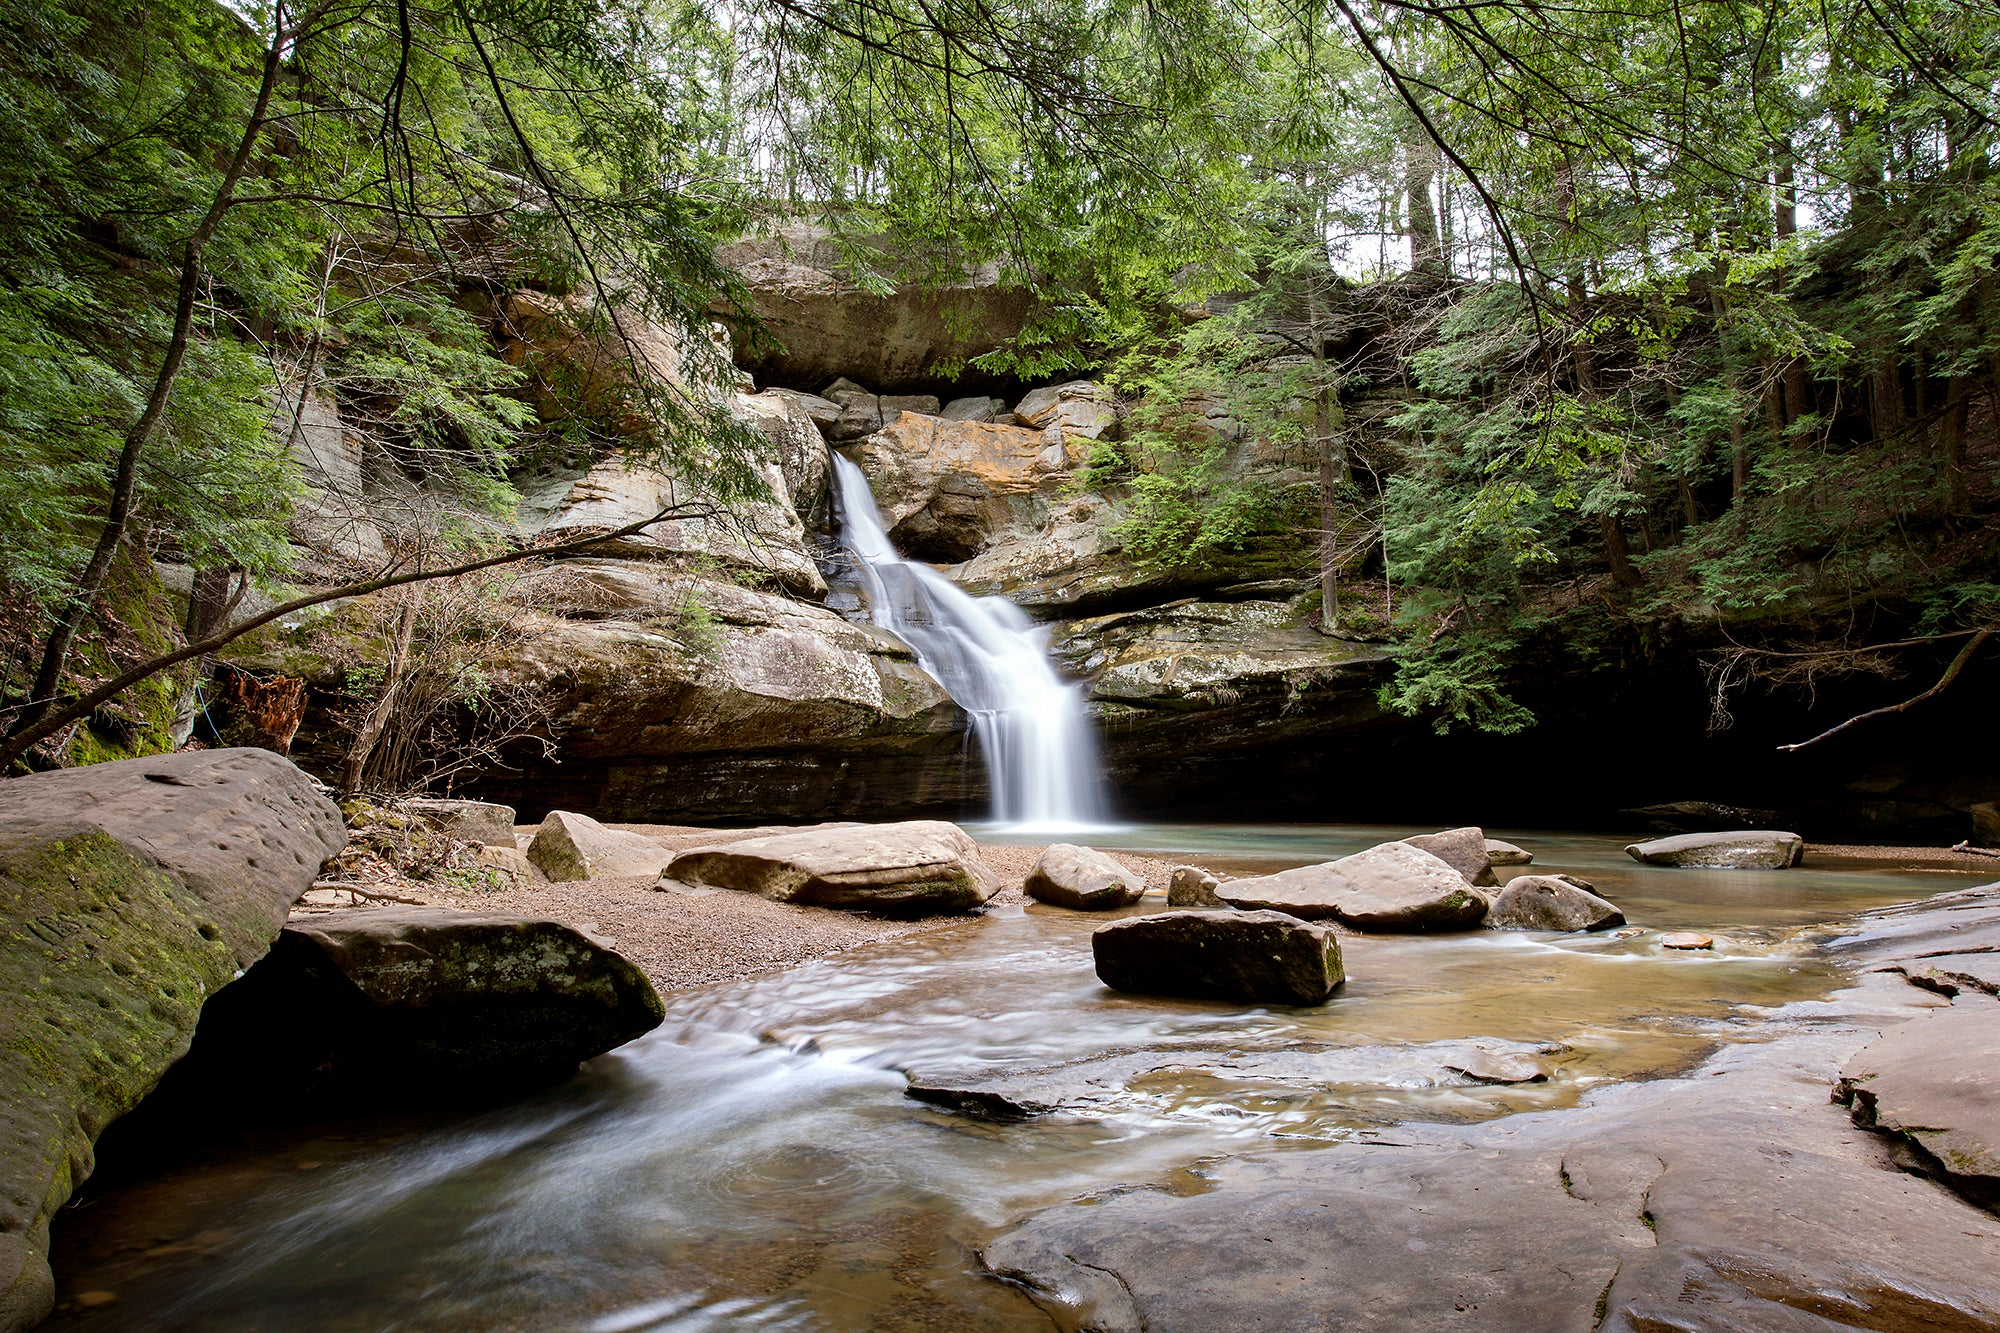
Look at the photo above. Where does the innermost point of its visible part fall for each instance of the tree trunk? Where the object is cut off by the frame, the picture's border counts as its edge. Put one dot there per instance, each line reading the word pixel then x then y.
pixel 1617 552
pixel 1951 441
pixel 393 674
pixel 1420 161
pixel 208 605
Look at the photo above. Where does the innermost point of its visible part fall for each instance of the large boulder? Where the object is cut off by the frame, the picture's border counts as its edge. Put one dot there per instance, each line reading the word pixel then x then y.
pixel 1751 849
pixel 946 488
pixel 1548 902
pixel 365 1010
pixel 1933 1086
pixel 823 322
pixel 1082 879
pixel 131 892
pixel 569 847
pixel 917 867
pixel 483 998
pixel 1390 887
pixel 1071 417
pixel 1242 957
pixel 1464 850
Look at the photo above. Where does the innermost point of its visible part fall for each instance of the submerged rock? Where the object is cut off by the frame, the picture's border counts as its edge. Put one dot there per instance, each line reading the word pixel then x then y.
pixel 1464 850
pixel 1191 886
pixel 1545 902
pixel 1243 957
pixel 1083 879
pixel 1933 1085
pixel 916 867
pixel 1391 887
pixel 1506 854
pixel 1686 939
pixel 1752 849
pixel 570 847
pixel 1108 1079
pixel 129 893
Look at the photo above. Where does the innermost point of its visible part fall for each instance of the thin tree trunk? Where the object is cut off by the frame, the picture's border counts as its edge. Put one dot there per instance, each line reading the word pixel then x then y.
pixel 118 510
pixel 1617 552
pixel 1952 431
pixel 393 673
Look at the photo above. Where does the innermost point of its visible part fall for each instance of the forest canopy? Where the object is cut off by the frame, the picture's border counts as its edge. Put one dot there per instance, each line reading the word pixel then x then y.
pixel 1693 302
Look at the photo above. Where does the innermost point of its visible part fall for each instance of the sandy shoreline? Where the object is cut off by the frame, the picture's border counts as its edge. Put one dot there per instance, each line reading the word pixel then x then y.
pixel 681 940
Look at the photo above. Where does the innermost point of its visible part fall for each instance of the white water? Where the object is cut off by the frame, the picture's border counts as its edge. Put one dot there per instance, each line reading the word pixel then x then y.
pixel 1041 758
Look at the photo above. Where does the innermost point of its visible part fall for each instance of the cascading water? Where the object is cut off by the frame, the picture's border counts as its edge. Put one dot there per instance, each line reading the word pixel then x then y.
pixel 1041 758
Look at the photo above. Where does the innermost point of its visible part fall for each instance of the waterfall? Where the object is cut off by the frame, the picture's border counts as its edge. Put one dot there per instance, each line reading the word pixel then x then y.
pixel 1041 758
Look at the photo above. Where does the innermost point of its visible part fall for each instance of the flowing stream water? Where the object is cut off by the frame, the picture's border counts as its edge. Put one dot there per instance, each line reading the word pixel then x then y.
pixel 1041 758
pixel 754 1163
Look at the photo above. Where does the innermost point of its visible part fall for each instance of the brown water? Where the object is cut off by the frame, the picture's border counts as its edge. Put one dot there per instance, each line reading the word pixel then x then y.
pixel 754 1164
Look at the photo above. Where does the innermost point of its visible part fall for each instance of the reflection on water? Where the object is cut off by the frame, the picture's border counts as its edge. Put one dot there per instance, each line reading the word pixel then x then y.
pixel 753 1163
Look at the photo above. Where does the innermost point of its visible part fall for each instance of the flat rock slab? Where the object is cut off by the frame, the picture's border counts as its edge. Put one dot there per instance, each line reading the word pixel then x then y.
pixel 1746 849
pixel 1082 879
pixel 570 847
pixel 475 821
pixel 917 867
pixel 1934 1086
pixel 1548 902
pixel 1105 1081
pixel 130 892
pixel 1738 1199
pixel 1506 854
pixel 1243 957
pixel 1391 887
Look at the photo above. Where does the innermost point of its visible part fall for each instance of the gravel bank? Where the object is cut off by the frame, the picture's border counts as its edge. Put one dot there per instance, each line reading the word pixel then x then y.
pixel 682 940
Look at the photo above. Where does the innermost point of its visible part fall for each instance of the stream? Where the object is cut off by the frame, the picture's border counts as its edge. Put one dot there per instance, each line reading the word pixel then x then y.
pixel 754 1163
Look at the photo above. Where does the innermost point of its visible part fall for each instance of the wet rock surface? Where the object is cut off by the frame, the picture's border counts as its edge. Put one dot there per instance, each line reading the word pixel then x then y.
pixel 916 867
pixel 1391 887
pixel 1243 957
pixel 130 892
pixel 1753 849
pixel 1081 879
pixel 1545 902
pixel 1933 1087
pixel 1191 886
pixel 1737 1197
pixel 1101 1082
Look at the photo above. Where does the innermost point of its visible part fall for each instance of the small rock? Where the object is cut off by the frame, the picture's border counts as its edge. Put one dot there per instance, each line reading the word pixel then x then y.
pixel 1506 854
pixel 974 409
pixel 1745 849
pixel 1463 849
pixel 1686 939
pixel 1191 886
pixel 1082 879
pixel 571 847
pixel 1630 932
pixel 510 859
pixel 1242 957
pixel 1546 902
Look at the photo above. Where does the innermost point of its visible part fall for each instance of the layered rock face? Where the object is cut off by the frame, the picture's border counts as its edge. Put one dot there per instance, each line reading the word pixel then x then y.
pixel 131 892
pixel 825 325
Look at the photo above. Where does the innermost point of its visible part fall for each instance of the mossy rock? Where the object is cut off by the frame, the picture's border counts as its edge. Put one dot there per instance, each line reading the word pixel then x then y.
pixel 129 893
